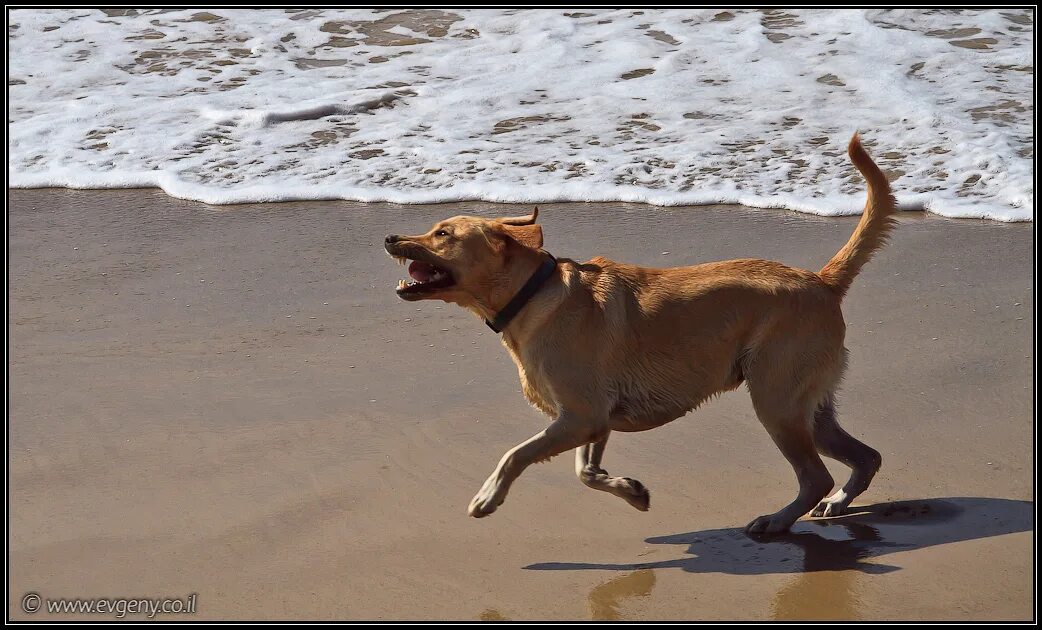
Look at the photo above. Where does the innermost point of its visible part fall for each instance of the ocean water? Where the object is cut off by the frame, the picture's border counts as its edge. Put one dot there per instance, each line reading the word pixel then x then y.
pixel 663 107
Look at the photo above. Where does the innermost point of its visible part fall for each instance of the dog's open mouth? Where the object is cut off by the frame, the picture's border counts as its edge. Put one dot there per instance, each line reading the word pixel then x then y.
pixel 425 276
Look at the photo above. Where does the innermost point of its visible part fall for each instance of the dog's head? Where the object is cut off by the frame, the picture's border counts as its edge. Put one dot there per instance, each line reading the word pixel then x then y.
pixel 466 260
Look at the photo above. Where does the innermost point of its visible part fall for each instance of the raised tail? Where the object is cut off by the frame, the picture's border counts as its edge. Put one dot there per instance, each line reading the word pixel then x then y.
pixel 873 229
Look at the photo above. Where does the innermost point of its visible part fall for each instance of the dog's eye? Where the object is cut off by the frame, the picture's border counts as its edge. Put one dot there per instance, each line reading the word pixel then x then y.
pixel 441 233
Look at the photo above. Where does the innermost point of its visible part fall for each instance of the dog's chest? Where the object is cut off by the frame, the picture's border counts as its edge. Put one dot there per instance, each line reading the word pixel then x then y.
pixel 534 383
pixel 537 390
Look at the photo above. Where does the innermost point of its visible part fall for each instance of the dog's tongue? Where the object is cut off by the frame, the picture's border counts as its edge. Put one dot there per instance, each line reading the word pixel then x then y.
pixel 421 271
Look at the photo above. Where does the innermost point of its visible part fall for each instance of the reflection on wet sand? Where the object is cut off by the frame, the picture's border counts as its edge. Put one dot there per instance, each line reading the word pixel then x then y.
pixel 820 593
pixel 829 596
pixel 828 555
pixel 605 598
pixel 492 614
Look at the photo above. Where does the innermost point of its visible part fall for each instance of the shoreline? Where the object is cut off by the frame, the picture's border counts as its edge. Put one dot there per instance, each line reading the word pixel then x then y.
pixel 232 401
pixel 907 204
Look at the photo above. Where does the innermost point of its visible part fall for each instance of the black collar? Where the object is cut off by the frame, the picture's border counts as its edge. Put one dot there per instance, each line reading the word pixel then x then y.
pixel 516 303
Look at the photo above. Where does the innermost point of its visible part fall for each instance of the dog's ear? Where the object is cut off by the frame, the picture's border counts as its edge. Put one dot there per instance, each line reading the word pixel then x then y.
pixel 523 229
pixel 527 235
pixel 529 220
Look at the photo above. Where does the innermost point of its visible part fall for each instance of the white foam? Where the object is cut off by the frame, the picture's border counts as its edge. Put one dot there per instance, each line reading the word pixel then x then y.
pixel 658 107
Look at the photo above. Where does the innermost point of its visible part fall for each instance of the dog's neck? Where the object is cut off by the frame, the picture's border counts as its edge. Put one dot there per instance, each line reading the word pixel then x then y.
pixel 503 290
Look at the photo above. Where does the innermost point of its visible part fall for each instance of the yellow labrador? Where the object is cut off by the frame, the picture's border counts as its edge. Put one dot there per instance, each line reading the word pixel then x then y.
pixel 603 346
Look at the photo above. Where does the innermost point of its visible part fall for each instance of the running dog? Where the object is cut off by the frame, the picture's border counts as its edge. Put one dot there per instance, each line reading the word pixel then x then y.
pixel 603 346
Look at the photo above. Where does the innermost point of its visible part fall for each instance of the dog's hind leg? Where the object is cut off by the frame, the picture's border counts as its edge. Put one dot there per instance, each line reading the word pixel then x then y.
pixel 588 469
pixel 784 400
pixel 832 441
pixel 793 437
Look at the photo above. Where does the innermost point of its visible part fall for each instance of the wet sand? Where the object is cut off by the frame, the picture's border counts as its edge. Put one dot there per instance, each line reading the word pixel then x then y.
pixel 232 402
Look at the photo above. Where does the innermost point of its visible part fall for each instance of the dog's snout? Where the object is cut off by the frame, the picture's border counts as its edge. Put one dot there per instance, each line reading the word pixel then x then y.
pixel 392 238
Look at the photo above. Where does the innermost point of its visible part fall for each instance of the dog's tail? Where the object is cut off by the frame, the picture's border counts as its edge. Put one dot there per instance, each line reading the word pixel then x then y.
pixel 873 229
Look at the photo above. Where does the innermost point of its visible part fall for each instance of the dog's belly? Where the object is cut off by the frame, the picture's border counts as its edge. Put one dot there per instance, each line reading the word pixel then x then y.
pixel 629 415
pixel 638 400
pixel 640 409
pixel 631 424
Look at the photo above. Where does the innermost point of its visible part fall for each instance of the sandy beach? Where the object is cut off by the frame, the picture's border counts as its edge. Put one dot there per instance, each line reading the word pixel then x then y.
pixel 231 401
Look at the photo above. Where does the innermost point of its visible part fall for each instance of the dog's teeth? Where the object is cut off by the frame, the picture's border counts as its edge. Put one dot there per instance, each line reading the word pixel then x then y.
pixel 401 284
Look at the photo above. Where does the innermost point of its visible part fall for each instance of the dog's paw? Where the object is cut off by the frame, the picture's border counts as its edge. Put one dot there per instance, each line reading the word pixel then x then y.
pixel 828 508
pixel 768 524
pixel 483 504
pixel 835 505
pixel 639 496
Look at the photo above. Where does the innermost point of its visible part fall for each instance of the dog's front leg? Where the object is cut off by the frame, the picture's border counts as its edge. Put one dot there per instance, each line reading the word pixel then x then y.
pixel 568 431
pixel 588 469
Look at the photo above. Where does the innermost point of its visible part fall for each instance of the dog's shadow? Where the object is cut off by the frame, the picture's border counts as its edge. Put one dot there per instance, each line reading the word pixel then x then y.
pixel 836 544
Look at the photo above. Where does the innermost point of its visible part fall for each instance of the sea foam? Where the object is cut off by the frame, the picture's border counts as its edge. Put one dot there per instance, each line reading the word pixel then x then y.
pixel 669 107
